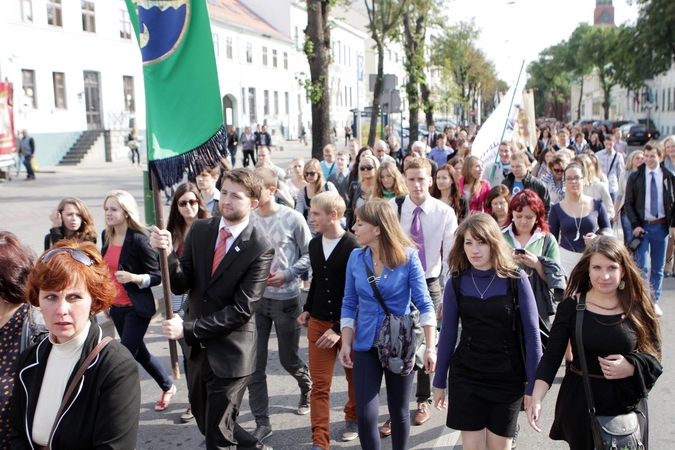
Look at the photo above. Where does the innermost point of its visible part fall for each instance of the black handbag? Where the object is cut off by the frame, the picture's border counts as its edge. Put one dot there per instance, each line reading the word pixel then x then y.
pixel 620 432
pixel 400 345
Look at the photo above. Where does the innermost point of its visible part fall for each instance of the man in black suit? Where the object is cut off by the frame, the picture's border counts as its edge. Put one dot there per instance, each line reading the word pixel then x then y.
pixel 225 265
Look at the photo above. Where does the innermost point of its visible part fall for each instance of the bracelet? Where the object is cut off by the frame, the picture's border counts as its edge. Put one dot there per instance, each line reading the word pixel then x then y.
pixel 430 350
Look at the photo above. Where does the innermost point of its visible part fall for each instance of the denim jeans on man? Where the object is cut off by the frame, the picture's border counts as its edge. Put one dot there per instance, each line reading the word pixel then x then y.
pixel 651 256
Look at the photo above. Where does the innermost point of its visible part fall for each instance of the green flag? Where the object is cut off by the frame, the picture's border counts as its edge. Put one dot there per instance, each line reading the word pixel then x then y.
pixel 183 107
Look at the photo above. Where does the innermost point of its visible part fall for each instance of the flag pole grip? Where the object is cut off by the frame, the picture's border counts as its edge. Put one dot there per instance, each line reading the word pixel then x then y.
pixel 164 268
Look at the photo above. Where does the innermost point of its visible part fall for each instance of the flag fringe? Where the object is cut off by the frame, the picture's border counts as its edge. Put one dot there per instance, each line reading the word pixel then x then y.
pixel 170 171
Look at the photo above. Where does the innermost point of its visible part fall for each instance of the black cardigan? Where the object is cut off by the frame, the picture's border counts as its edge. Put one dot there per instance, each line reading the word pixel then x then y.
pixel 324 301
pixel 102 413
pixel 138 257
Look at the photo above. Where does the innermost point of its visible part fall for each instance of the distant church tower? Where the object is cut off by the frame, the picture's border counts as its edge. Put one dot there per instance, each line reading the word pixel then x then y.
pixel 604 13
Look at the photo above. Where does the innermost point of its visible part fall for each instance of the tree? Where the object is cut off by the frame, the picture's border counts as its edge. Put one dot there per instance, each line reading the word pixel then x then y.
pixel 383 18
pixel 600 47
pixel 317 48
pixel 574 62
pixel 655 33
pixel 416 17
pixel 549 78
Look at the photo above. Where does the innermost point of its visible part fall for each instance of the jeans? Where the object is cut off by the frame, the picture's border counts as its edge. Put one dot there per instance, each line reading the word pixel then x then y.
pixel 131 328
pixel 19 163
pixel 27 162
pixel 626 227
pixel 322 364
pixel 424 393
pixel 233 154
pixel 283 313
pixel 248 154
pixel 368 373
pixel 651 256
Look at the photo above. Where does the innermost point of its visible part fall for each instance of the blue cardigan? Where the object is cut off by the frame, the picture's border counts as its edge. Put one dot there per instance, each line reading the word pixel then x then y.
pixel 396 286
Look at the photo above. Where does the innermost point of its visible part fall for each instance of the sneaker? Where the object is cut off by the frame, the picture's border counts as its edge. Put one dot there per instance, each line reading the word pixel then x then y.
pixel 515 437
pixel 657 310
pixel 303 405
pixel 262 432
pixel 350 432
pixel 187 415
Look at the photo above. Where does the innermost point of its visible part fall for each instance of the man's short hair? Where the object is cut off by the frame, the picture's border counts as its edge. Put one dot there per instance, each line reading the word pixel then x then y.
pixel 653 146
pixel 329 201
pixel 214 172
pixel 342 153
pixel 418 163
pixel 261 147
pixel 329 148
pixel 440 136
pixel 244 177
pixel 520 155
pixel 419 145
pixel 268 177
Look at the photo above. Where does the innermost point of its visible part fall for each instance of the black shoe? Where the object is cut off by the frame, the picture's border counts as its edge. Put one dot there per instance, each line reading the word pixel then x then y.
pixel 303 405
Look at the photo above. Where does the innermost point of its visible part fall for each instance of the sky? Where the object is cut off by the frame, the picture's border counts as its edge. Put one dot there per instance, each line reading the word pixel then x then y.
pixel 515 32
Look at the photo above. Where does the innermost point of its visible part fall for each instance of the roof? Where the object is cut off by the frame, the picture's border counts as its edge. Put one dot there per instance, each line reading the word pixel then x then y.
pixel 235 13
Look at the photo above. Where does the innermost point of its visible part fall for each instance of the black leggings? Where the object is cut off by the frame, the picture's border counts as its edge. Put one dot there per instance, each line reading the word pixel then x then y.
pixel 367 381
pixel 247 154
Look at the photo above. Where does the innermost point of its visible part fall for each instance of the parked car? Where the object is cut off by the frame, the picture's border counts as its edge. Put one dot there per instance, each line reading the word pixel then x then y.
pixel 405 136
pixel 612 124
pixel 641 134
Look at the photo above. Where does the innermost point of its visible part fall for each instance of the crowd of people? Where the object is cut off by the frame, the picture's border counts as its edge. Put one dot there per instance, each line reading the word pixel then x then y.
pixel 507 249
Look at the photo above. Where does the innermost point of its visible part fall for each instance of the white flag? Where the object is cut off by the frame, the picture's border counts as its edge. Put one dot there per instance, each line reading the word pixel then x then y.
pixel 499 126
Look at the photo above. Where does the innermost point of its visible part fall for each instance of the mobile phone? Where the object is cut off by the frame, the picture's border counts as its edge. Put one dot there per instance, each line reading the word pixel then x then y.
pixel 520 251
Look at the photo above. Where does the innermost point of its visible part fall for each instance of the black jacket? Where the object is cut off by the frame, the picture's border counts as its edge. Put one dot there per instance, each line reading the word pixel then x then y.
pixel 535 184
pixel 138 257
pixel 103 411
pixel 219 316
pixel 324 300
pixel 56 234
pixel 634 199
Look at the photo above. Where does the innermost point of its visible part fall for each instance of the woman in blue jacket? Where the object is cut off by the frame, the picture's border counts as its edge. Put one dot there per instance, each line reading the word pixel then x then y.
pixel 391 256
pixel 134 270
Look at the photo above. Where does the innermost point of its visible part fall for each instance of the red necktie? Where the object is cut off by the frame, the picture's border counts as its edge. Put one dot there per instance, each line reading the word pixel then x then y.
pixel 219 254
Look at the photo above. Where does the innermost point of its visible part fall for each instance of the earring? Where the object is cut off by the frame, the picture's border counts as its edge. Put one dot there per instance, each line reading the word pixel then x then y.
pixel 377 237
pixel 622 285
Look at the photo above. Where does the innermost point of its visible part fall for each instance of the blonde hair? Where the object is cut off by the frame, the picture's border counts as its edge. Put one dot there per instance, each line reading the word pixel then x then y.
pixel 399 187
pixel 329 148
pixel 629 160
pixel 393 240
pixel 483 228
pixel 130 207
pixel 330 201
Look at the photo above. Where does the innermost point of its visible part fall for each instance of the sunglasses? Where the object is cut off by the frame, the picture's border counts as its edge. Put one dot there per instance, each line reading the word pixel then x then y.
pixel 310 174
pixel 77 255
pixel 558 170
pixel 192 202
pixel 364 168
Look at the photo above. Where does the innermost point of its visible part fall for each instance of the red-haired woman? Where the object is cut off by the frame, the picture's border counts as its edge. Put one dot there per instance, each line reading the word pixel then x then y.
pixel 71 283
pixel 536 251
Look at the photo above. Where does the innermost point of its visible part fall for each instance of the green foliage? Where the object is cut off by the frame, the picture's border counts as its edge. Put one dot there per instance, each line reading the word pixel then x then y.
pixel 549 77
pixel 655 33
pixel 308 48
pixel 313 90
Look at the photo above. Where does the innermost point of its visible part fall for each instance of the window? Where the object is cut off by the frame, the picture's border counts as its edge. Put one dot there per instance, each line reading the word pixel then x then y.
pixel 350 97
pixel 24 10
pixel 88 16
pixel 396 56
pixel 670 102
pixel 125 24
pixel 276 103
pixel 346 95
pixel 59 90
pixel 264 56
pixel 286 60
pixel 274 58
pixel 286 102
pixel 243 100
pixel 54 13
pixel 228 47
pixel 28 84
pixel 251 105
pixel 249 53
pixel 266 103
pixel 297 37
pixel 216 45
pixel 129 100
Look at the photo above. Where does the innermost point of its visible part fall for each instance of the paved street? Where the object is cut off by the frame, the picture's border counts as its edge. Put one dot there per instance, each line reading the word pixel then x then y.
pixel 24 210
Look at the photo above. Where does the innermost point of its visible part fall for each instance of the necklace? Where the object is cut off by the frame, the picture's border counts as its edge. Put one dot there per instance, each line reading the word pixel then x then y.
pixel 482 294
pixel 604 308
pixel 581 215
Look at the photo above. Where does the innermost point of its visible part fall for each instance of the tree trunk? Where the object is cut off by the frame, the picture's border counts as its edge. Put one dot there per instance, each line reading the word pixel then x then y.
pixel 377 93
pixel 428 105
pixel 606 102
pixel 581 96
pixel 412 47
pixel 318 32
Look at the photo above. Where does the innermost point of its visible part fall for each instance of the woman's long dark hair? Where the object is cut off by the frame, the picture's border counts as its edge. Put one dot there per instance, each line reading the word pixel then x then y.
pixel 455 194
pixel 86 232
pixel 176 224
pixel 634 298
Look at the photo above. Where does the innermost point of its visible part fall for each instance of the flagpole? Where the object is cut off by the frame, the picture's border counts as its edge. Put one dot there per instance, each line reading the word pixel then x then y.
pixel 164 268
pixel 506 123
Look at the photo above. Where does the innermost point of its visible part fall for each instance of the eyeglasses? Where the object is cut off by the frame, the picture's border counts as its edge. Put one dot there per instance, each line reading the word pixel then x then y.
pixel 192 202
pixel 558 170
pixel 364 168
pixel 77 255
pixel 310 174
pixel 574 179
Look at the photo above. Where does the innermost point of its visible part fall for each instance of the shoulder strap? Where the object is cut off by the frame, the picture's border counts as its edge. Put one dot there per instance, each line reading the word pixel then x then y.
pixel 581 308
pixel 76 380
pixel 399 203
pixel 612 164
pixel 373 285
pixel 546 245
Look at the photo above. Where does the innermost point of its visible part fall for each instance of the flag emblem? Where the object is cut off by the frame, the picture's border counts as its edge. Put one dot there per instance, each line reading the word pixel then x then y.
pixel 162 26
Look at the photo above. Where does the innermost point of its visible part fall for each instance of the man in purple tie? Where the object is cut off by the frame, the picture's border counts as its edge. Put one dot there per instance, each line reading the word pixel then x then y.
pixel 432 225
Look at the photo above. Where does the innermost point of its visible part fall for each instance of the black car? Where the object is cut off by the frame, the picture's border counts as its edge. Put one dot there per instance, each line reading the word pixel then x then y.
pixel 641 134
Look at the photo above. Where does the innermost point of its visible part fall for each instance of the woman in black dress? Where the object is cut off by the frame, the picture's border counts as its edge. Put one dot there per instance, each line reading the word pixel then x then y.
pixel 621 338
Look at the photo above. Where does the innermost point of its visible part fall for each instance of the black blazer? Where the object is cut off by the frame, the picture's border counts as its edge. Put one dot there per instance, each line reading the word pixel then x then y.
pixel 220 308
pixel 103 411
pixel 324 301
pixel 138 257
pixel 634 198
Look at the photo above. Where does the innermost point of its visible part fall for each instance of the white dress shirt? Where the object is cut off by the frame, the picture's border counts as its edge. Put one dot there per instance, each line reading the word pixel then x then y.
pixel 234 229
pixel 648 193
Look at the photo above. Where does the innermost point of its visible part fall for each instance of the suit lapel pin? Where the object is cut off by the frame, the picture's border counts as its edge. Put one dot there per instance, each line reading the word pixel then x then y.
pixel 236 249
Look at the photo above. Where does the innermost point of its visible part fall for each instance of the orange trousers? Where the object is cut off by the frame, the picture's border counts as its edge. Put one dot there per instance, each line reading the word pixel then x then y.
pixel 321 365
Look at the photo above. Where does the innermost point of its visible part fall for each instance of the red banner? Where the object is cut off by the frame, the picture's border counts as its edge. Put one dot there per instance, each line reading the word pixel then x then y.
pixel 7 137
